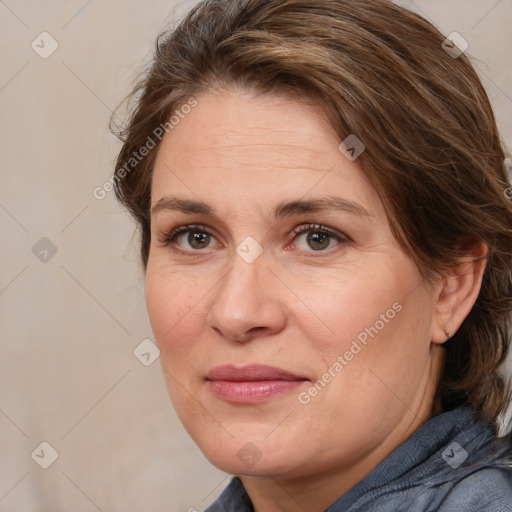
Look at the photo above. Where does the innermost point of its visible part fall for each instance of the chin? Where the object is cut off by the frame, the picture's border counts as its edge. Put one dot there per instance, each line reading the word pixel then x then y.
pixel 250 456
pixel 248 462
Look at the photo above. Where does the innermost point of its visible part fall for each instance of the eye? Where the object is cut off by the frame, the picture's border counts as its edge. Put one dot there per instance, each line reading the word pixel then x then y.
pixel 196 236
pixel 317 237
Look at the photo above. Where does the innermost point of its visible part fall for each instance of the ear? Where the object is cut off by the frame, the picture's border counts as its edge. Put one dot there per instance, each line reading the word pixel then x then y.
pixel 457 291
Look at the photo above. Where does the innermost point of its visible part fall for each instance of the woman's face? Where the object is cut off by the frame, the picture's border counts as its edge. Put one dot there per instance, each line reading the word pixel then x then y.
pixel 295 332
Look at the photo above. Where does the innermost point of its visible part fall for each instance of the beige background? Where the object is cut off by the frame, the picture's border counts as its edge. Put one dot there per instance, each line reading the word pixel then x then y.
pixel 69 325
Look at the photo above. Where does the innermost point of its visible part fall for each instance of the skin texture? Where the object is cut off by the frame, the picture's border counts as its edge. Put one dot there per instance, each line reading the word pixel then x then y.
pixel 294 307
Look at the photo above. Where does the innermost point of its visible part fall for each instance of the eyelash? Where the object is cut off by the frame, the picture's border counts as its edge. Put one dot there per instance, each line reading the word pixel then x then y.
pixel 320 228
pixel 169 238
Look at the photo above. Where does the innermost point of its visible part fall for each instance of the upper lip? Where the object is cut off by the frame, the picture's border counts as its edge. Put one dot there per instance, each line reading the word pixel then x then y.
pixel 250 373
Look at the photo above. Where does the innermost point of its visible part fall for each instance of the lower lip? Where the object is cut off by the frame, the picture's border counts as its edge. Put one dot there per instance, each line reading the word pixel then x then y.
pixel 252 392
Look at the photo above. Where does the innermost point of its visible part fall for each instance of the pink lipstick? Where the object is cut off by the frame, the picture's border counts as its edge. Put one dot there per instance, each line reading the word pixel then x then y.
pixel 251 384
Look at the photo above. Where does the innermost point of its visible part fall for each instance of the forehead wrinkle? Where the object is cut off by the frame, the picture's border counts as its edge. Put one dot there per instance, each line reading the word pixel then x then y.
pixel 283 156
pixel 263 144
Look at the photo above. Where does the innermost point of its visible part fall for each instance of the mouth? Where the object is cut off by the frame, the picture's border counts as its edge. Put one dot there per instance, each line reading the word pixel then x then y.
pixel 251 384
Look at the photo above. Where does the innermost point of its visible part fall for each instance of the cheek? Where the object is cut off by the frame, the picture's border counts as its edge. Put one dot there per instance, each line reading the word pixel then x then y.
pixel 378 318
pixel 342 306
pixel 173 302
pixel 384 348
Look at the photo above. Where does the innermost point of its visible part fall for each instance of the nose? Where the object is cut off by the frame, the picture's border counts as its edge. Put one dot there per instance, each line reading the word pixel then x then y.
pixel 246 305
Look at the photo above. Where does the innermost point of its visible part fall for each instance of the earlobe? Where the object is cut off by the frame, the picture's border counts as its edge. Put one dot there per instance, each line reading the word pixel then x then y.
pixel 457 292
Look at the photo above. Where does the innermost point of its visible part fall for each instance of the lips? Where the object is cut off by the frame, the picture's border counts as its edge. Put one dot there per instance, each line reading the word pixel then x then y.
pixel 255 372
pixel 251 384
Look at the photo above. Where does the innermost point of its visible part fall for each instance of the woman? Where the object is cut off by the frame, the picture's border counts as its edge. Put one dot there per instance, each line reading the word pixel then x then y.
pixel 327 243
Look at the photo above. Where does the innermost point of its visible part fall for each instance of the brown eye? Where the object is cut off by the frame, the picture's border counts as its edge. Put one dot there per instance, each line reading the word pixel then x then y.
pixel 318 241
pixel 318 238
pixel 192 238
pixel 198 239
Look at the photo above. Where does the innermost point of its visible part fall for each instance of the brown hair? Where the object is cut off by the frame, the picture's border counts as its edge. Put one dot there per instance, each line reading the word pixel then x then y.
pixel 433 151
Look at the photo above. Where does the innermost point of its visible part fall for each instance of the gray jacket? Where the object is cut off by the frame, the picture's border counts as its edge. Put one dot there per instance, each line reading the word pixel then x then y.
pixel 452 463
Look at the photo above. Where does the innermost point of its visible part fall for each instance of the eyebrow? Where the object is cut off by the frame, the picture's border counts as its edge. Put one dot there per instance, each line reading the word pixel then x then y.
pixel 282 209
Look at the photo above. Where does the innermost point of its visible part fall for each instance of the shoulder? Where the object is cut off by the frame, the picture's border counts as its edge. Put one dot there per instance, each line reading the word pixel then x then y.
pixel 488 489
pixel 233 498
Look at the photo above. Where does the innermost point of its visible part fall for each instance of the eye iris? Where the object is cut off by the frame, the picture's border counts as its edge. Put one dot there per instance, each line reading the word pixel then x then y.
pixel 198 236
pixel 318 239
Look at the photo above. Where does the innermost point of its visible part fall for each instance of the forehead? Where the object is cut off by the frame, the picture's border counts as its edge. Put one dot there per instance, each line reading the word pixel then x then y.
pixel 237 146
pixel 238 123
